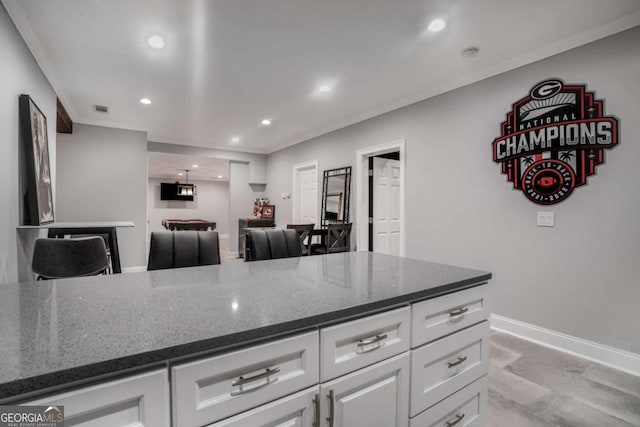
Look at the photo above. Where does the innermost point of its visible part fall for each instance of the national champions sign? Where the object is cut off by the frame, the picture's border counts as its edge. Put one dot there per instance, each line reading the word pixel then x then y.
pixel 553 139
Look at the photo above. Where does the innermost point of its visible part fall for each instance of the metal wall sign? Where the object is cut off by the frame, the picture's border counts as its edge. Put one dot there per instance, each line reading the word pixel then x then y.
pixel 553 139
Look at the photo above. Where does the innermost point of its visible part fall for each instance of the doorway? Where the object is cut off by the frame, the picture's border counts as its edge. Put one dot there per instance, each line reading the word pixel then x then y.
pixel 305 193
pixel 380 187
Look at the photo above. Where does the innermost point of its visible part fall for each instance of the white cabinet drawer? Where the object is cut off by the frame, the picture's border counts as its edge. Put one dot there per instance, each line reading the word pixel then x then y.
pixel 443 367
pixel 209 390
pixel 373 396
pixel 140 400
pixel 353 345
pixel 444 315
pixel 296 410
pixel 466 408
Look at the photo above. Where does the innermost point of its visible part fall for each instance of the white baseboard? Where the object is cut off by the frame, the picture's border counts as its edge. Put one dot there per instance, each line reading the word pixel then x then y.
pixel 231 254
pixel 223 236
pixel 136 269
pixel 615 358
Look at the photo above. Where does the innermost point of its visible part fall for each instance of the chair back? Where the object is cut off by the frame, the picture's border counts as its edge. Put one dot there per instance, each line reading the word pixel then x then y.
pixel 60 258
pixel 338 238
pixel 272 244
pixel 176 249
pixel 304 235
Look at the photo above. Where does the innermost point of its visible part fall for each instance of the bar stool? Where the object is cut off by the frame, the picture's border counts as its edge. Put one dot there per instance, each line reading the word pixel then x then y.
pixel 60 258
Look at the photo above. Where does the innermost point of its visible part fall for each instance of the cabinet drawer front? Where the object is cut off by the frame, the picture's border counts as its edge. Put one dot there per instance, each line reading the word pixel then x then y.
pixel 435 318
pixel 466 408
pixel 140 400
pixel 443 367
pixel 354 345
pixel 209 390
pixel 373 396
pixel 295 410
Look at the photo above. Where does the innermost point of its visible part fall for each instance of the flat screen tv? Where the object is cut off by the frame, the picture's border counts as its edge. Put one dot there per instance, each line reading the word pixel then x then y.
pixel 169 191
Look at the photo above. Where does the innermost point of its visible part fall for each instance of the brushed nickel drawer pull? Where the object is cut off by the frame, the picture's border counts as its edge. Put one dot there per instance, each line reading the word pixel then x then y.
pixel 457 362
pixel 458 312
pixel 331 408
pixel 316 410
pixel 266 374
pixel 372 340
pixel 458 419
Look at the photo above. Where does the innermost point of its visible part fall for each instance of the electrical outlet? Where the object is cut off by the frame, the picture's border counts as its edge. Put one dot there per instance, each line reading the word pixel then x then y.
pixel 546 219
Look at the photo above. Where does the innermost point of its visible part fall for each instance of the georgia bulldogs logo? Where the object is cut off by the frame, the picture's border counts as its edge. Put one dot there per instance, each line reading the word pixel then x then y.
pixel 553 139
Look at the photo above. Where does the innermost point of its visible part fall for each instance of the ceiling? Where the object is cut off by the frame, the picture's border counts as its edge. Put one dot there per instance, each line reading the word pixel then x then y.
pixel 228 64
pixel 174 166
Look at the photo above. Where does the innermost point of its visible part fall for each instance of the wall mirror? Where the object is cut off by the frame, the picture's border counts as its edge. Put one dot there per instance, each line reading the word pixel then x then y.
pixel 336 187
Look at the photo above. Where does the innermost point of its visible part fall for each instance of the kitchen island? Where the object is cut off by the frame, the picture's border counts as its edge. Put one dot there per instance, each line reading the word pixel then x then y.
pixel 66 334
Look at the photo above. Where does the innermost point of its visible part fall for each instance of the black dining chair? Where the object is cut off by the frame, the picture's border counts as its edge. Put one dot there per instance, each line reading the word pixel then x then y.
pixel 76 257
pixel 176 249
pixel 337 239
pixel 272 244
pixel 304 235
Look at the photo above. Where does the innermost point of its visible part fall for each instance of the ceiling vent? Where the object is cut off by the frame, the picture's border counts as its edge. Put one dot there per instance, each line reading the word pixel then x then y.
pixel 101 109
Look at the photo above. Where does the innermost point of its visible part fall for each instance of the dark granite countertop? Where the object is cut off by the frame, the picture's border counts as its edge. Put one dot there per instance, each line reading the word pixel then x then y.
pixel 62 332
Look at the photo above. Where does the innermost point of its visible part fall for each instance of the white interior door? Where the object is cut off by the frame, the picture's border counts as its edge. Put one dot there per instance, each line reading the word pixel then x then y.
pixel 386 209
pixel 306 196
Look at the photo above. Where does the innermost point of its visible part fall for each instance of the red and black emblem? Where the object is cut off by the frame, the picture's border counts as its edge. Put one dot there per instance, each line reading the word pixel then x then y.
pixel 553 139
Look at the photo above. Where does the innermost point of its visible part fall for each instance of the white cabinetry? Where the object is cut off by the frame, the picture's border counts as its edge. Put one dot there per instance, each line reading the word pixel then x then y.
pixel 373 396
pixel 141 400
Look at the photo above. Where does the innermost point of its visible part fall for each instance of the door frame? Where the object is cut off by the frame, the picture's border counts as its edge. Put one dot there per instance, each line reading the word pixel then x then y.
pixel 295 208
pixel 362 193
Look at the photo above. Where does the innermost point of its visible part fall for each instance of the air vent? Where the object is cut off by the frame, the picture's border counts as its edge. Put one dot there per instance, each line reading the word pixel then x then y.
pixel 101 109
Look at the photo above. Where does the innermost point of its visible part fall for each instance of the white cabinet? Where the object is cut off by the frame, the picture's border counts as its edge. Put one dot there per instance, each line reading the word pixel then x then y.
pixel 443 367
pixel 141 400
pixel 353 345
pixel 214 388
pixel 466 408
pixel 299 410
pixel 433 319
pixel 375 396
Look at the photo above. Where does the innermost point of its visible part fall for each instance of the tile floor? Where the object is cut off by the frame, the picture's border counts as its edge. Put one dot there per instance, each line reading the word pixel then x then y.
pixel 531 385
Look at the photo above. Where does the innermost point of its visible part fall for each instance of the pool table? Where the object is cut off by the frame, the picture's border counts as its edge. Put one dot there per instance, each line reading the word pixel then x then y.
pixel 188 224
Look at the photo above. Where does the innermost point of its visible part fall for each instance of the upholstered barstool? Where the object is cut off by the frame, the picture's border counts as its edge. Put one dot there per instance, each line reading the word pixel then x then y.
pixel 175 249
pixel 60 258
pixel 272 244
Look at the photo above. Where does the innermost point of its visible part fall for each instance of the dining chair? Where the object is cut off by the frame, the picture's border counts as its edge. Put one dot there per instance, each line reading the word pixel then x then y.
pixel 75 257
pixel 176 249
pixel 272 244
pixel 337 239
pixel 304 235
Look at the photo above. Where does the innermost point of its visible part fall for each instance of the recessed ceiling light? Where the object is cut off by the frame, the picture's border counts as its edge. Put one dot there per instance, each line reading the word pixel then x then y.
pixel 235 139
pixel 436 25
pixel 266 122
pixel 156 42
pixel 470 52
pixel 180 174
pixel 324 88
pixel 194 166
pixel 220 176
pixel 145 101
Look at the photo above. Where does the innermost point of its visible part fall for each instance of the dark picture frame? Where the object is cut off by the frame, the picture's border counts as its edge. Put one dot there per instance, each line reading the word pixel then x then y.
pixel 268 212
pixel 37 195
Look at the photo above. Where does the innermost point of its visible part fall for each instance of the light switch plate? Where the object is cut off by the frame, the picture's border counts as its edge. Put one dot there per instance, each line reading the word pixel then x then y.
pixel 546 219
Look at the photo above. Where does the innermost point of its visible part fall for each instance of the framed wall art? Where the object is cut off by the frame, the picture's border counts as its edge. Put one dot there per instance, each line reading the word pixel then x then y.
pixel 268 212
pixel 37 196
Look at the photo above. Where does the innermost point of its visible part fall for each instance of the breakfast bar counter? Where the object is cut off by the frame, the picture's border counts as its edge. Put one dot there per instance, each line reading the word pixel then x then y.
pixel 62 333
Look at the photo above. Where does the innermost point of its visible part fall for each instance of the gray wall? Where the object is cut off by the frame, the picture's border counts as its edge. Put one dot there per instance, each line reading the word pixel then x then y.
pixel 19 74
pixel 581 277
pixel 102 176
pixel 211 204
pixel 241 198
